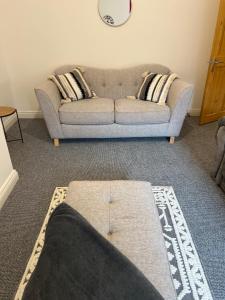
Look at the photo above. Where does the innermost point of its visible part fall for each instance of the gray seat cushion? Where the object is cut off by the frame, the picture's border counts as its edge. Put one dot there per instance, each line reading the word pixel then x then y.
pixel 97 111
pixel 133 111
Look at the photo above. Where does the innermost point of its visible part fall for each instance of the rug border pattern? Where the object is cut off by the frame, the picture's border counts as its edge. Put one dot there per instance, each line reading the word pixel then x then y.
pixel 192 273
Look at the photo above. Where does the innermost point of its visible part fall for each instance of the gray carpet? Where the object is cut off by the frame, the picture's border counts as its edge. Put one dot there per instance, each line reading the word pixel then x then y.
pixel 186 166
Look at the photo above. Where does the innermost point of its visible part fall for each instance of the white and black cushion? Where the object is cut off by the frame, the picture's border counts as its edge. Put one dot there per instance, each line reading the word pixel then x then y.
pixel 72 86
pixel 155 87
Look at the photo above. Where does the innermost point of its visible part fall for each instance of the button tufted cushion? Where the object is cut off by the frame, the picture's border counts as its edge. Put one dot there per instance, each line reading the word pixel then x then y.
pixel 124 212
pixel 95 111
pixel 133 111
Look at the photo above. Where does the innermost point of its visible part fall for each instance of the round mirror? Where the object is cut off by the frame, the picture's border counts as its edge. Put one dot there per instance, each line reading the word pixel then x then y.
pixel 115 12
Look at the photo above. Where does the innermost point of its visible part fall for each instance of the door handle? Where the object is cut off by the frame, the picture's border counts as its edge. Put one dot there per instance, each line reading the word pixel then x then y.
pixel 215 62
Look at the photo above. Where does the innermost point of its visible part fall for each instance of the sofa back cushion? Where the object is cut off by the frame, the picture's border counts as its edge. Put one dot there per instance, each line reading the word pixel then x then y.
pixel 115 83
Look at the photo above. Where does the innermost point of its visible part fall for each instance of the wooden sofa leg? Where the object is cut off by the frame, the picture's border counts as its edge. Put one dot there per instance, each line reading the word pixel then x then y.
pixel 56 142
pixel 172 140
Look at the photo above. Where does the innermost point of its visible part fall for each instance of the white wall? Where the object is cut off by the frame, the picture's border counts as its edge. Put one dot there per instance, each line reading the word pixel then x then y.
pixel 6 93
pixel 41 35
pixel 8 176
pixel 6 89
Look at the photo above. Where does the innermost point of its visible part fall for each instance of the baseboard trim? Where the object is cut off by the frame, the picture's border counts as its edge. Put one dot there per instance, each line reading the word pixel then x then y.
pixel 8 186
pixel 195 112
pixel 9 122
pixel 32 114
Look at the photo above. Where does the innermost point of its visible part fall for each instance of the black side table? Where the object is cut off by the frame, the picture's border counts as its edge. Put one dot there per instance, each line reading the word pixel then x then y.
pixel 6 111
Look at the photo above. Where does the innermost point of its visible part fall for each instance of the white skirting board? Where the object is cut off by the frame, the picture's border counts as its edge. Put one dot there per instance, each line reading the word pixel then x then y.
pixel 10 121
pixel 30 114
pixel 195 112
pixel 8 186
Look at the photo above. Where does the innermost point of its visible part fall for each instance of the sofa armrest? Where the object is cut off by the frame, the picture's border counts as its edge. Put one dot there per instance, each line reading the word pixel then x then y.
pixel 49 100
pixel 179 100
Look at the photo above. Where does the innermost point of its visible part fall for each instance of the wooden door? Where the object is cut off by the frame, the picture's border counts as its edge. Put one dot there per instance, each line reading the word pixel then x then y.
pixel 213 106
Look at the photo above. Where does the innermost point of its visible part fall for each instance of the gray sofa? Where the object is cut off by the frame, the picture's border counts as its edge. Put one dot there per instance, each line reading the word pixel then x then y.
pixel 112 114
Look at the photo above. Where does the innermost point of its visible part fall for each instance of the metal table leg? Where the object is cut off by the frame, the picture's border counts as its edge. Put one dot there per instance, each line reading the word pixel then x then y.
pixel 18 122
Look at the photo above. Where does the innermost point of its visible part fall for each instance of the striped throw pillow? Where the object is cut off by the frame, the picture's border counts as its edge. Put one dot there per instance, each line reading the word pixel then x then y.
pixel 72 86
pixel 155 87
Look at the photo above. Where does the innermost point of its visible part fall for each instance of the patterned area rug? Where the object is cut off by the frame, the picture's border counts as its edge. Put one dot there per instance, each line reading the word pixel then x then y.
pixel 185 266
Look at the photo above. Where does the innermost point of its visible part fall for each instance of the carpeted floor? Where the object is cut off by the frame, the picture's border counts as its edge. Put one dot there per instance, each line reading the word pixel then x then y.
pixel 186 166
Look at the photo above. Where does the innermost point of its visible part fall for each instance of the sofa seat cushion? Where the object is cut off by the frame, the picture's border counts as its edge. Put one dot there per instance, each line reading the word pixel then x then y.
pixel 98 111
pixel 134 112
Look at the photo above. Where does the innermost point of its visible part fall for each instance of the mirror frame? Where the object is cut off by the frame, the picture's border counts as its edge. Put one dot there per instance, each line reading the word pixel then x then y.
pixel 112 25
